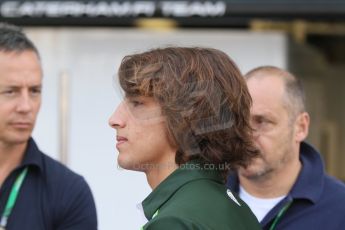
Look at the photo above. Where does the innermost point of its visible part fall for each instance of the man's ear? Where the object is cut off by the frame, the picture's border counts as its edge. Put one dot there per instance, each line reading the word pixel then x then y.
pixel 302 126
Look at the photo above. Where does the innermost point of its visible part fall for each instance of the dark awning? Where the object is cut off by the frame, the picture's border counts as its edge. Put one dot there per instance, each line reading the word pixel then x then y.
pixel 186 13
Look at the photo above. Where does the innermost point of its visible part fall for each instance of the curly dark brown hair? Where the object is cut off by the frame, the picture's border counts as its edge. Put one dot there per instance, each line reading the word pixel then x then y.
pixel 204 98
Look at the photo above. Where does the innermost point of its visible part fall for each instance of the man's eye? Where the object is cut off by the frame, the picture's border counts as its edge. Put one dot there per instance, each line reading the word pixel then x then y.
pixel 136 103
pixel 8 92
pixel 261 120
pixel 36 91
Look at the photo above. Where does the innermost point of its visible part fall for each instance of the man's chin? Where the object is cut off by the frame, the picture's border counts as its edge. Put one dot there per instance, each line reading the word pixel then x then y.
pixel 17 139
pixel 128 164
pixel 254 173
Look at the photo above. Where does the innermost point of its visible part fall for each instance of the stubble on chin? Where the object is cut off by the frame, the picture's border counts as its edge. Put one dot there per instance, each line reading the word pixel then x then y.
pixel 257 170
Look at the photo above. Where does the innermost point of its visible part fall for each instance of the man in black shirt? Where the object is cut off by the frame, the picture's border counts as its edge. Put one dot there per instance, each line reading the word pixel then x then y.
pixel 36 191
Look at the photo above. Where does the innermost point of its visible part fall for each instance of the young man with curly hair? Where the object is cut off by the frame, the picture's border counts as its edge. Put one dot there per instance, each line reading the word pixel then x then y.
pixel 184 122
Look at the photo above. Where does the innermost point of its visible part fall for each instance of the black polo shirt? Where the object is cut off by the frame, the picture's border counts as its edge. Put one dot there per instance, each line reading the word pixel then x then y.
pixel 52 197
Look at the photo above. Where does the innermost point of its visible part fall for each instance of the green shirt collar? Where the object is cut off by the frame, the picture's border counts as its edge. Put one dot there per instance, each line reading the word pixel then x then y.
pixel 186 173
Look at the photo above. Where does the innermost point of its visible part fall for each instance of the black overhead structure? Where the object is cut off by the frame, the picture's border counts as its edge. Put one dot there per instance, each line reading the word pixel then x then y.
pixel 212 13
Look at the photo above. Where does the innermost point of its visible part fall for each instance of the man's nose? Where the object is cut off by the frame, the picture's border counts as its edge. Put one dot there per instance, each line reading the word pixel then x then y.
pixel 117 119
pixel 24 103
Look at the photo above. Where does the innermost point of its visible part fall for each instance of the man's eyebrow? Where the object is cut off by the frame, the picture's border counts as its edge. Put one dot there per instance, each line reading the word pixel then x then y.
pixel 9 86
pixel 18 87
pixel 262 115
pixel 36 86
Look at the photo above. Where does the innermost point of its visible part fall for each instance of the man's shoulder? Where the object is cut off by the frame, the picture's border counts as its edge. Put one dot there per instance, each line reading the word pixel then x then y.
pixel 58 178
pixel 50 168
pixel 195 200
pixel 211 191
pixel 65 186
pixel 335 186
pixel 65 194
pixel 55 168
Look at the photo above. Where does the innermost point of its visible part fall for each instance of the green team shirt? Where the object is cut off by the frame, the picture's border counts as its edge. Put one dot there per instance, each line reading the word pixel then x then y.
pixel 195 198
